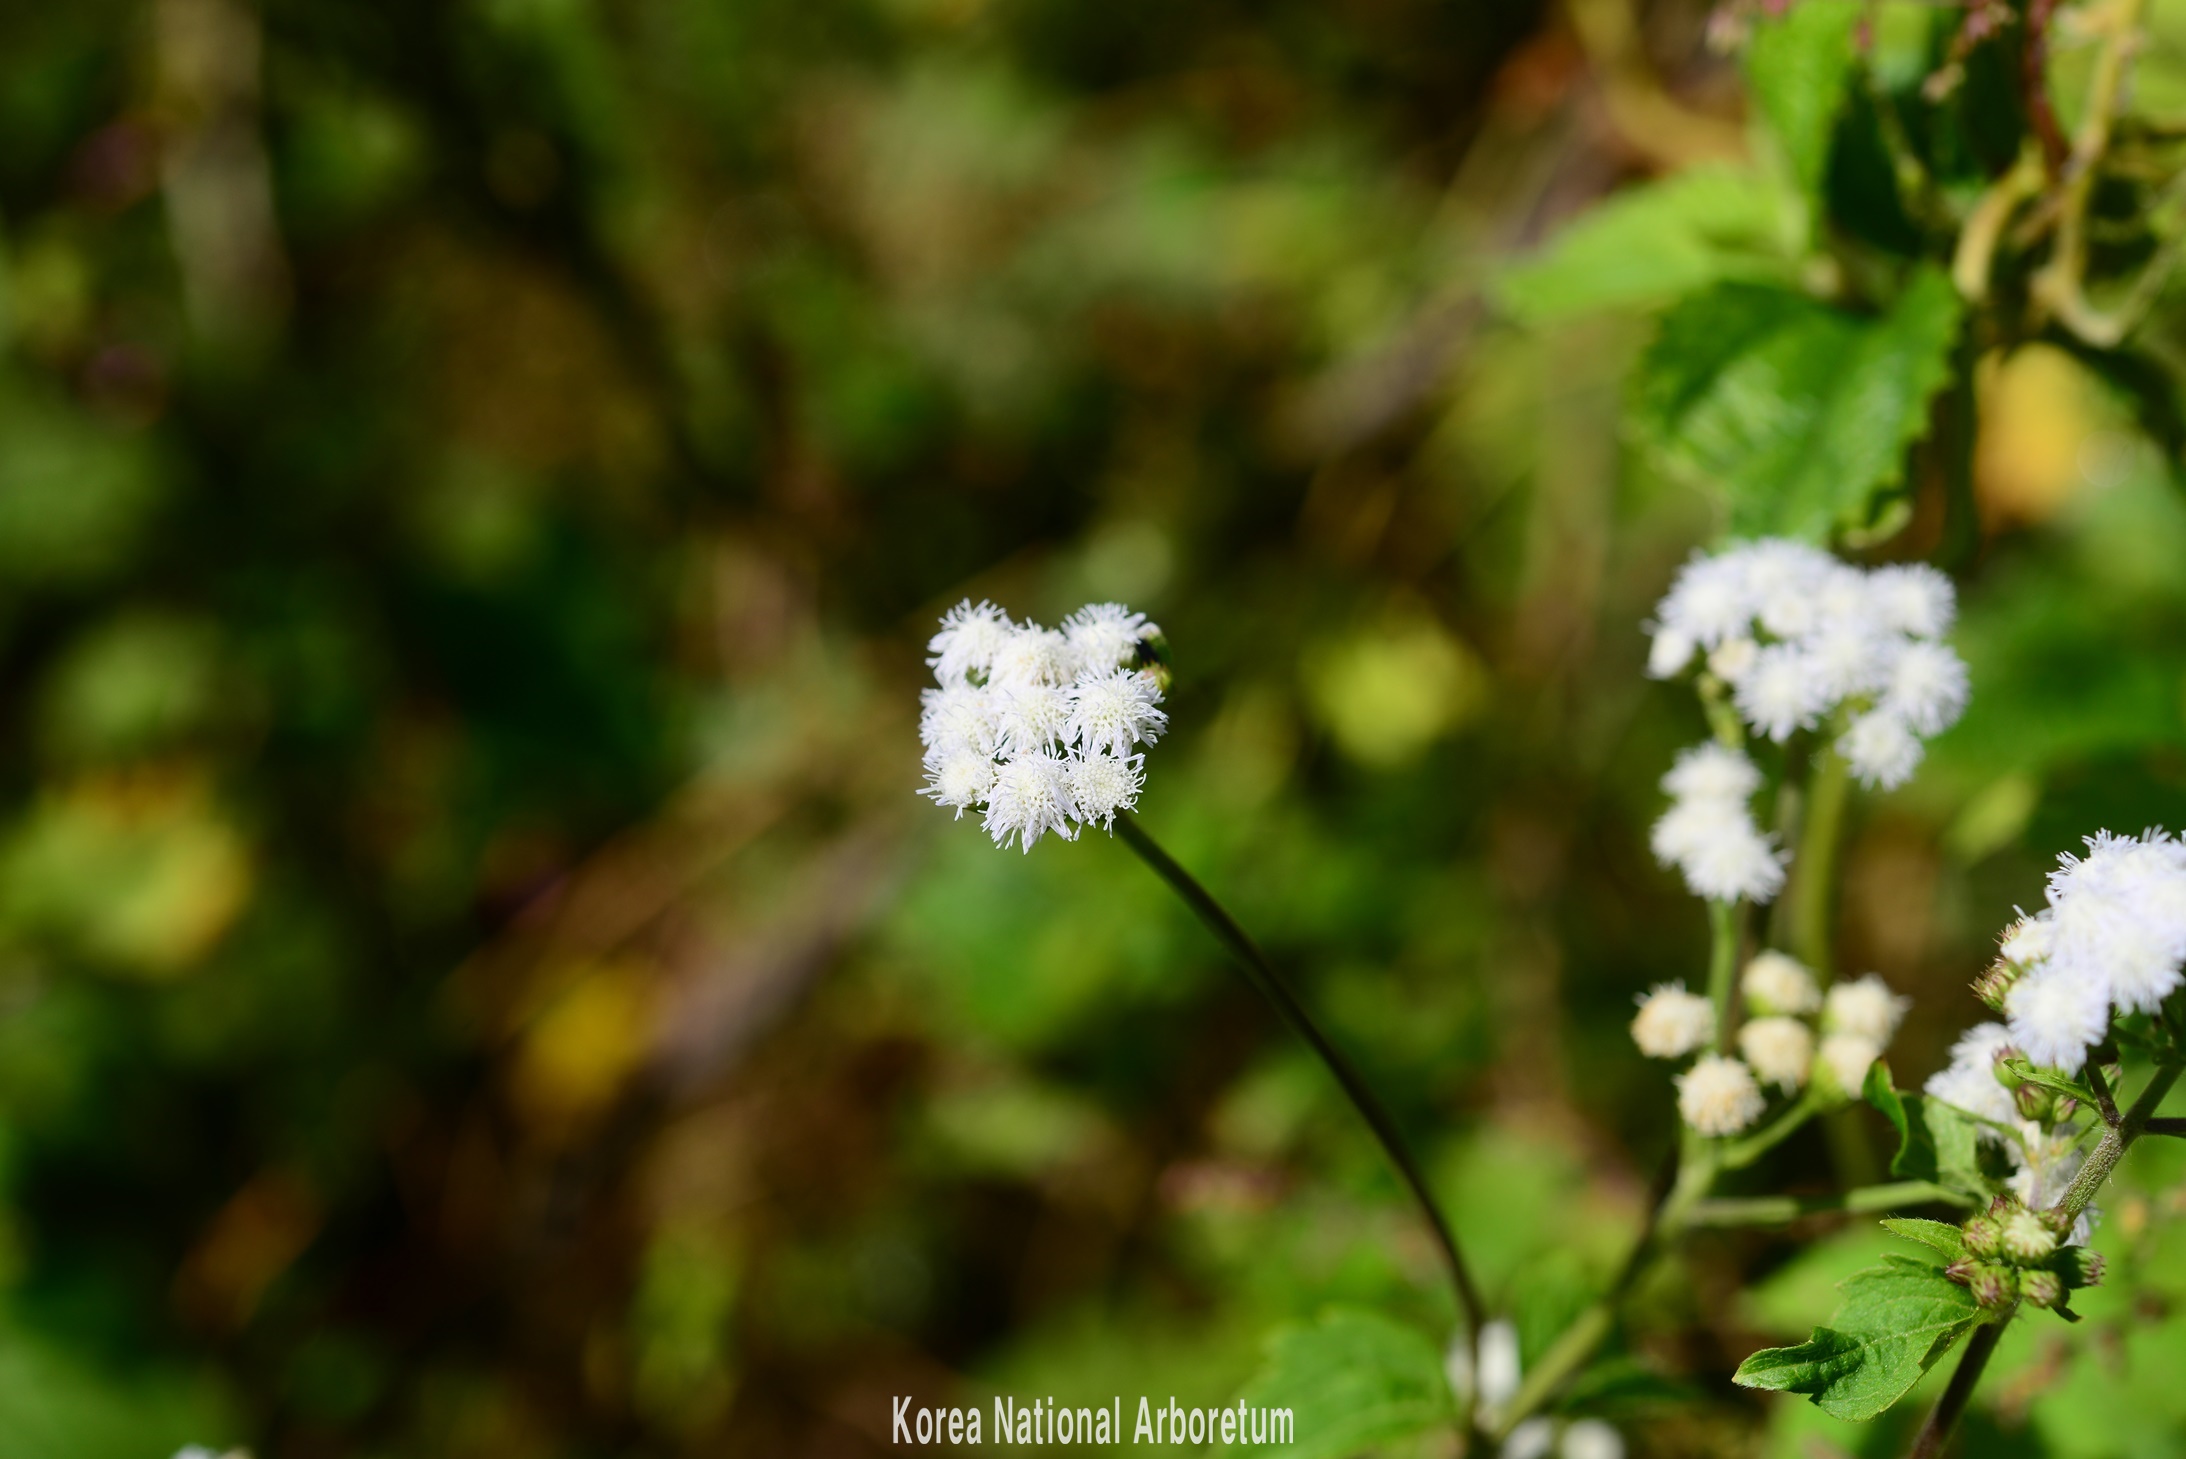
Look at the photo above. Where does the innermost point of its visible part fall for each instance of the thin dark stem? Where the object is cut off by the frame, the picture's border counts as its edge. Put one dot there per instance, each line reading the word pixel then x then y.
pixel 1270 984
pixel 1935 1433
pixel 2104 1103
pixel 2168 1125
pixel 2034 84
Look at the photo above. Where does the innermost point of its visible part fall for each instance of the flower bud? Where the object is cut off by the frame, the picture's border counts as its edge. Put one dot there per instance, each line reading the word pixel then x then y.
pixel 2000 1066
pixel 2034 1102
pixel 1961 1271
pixel 1993 1285
pixel 1983 1237
pixel 2090 1264
pixel 2027 1238
pixel 1993 986
pixel 2041 1288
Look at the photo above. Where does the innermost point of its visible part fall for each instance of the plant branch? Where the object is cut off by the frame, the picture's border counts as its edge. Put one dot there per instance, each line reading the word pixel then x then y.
pixel 1738 1154
pixel 2169 1125
pixel 2060 285
pixel 1782 1210
pixel 1722 967
pixel 2104 1158
pixel 1270 984
pixel 1935 1433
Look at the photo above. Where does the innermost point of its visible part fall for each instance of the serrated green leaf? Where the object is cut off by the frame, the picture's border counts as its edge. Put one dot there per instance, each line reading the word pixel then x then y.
pixel 1654 243
pixel 1895 1321
pixel 1799 412
pixel 1799 68
pixel 2034 1073
pixel 1936 1141
pixel 1351 1381
pixel 1947 1239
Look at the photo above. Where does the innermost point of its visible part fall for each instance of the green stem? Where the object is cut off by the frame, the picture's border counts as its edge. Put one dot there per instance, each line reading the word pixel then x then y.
pixel 1781 1210
pixel 1722 967
pixel 2175 1128
pixel 2119 1138
pixel 1935 1433
pixel 1738 1154
pixel 1827 789
pixel 1270 984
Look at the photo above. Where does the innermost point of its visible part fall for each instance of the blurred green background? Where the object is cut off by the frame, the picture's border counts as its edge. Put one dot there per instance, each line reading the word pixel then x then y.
pixel 475 482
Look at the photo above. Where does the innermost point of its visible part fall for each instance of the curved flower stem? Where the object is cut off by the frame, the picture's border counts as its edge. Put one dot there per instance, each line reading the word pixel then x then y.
pixel 1270 984
pixel 1738 1154
pixel 1935 1433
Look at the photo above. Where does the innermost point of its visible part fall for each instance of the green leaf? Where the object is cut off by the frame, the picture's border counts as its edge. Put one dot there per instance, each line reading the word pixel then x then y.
pixel 1947 1239
pixel 2034 1073
pixel 1651 244
pixel 1936 1141
pixel 1798 411
pixel 1798 69
pixel 1895 1321
pixel 1351 1381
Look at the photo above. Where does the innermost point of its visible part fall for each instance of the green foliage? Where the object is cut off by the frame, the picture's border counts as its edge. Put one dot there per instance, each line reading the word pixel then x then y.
pixel 1650 245
pixel 1936 1141
pixel 1943 1238
pixel 1798 412
pixel 1354 1380
pixel 1895 1322
pixel 1798 66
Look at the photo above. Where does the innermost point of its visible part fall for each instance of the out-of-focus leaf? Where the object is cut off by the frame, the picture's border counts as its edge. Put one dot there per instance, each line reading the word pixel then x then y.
pixel 1799 412
pixel 1895 1321
pixel 73 495
pixel 1653 243
pixel 1351 1381
pixel 1946 1239
pixel 1799 66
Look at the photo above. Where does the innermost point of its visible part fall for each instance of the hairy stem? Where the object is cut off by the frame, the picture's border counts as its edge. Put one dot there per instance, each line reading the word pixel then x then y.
pixel 1935 1433
pixel 2119 1138
pixel 1781 1210
pixel 1270 984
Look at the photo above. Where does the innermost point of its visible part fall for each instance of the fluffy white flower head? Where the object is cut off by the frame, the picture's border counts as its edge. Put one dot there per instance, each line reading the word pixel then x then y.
pixel 1969 1081
pixel 1718 1096
pixel 1776 982
pixel 1672 1022
pixel 1847 1057
pixel 1037 728
pixel 1711 772
pixel 1708 833
pixel 1802 639
pixel 1779 1049
pixel 1864 1008
pixel 2055 1017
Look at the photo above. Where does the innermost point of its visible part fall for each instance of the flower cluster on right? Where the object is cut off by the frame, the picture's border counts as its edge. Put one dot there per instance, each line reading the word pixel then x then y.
pixel 1781 1044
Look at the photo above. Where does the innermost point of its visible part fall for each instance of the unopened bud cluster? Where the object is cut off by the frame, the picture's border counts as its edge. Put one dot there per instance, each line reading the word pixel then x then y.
pixel 2016 1254
pixel 1796 1035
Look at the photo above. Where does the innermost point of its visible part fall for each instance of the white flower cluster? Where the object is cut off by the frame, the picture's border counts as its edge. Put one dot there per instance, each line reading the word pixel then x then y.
pixel 1723 1095
pixel 1798 635
pixel 2111 941
pixel 1709 834
pixel 1038 726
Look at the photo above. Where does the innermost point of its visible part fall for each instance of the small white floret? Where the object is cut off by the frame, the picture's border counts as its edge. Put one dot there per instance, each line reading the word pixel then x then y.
pixel 959 780
pixel 971 636
pixel 1913 598
pixel 1669 653
pixel 1591 1438
pixel 1103 785
pixel 1880 749
pixel 1782 694
pixel 1106 636
pixel 1779 1049
pixel 1114 710
pixel 1672 1022
pixel 1030 797
pixel 1033 656
pixel 1776 982
pixel 1864 1007
pixel 1718 1096
pixel 1712 771
pixel 1848 1057
pixel 1928 687
pixel 1970 1083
